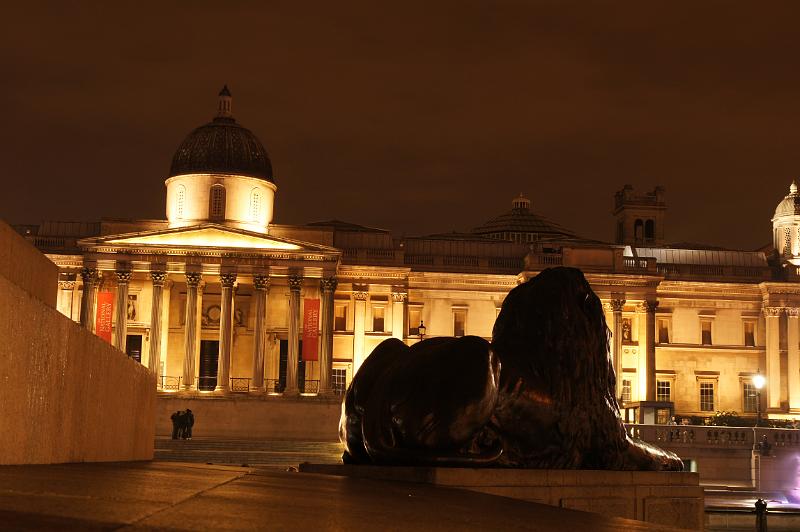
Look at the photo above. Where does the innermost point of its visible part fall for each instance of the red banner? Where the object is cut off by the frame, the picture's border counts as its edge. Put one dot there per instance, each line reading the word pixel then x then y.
pixel 310 329
pixel 105 309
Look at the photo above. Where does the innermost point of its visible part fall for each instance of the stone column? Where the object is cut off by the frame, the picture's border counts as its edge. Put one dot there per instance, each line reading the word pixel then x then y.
pixel 328 288
pixel 121 329
pixel 65 289
pixel 650 309
pixel 261 284
pixel 398 314
pixel 617 305
pixel 88 298
pixel 225 332
pixel 359 328
pixel 295 284
pixel 190 329
pixel 772 316
pixel 793 357
pixel 154 358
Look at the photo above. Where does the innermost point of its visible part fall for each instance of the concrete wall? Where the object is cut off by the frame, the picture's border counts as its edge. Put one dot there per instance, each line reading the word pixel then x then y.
pixel 26 267
pixel 245 417
pixel 65 394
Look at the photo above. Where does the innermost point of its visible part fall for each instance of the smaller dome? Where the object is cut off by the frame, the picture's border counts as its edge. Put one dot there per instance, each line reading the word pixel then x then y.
pixel 790 205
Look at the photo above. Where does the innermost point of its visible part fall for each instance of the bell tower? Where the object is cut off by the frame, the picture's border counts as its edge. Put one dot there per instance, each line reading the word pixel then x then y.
pixel 639 218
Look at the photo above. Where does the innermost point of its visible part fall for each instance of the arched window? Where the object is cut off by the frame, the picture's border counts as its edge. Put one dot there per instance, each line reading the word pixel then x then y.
pixel 216 208
pixel 255 204
pixel 637 231
pixel 649 230
pixel 180 201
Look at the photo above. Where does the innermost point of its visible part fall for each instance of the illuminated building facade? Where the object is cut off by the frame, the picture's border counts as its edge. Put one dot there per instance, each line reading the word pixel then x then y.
pixel 218 299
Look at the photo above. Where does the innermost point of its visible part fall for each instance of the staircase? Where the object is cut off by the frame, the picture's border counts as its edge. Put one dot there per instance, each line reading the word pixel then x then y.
pixel 249 452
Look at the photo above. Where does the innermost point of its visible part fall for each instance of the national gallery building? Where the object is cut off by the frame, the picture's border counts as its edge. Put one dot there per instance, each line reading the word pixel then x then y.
pixel 220 301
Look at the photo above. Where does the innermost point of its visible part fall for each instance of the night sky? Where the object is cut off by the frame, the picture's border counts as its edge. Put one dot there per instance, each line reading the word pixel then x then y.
pixel 419 117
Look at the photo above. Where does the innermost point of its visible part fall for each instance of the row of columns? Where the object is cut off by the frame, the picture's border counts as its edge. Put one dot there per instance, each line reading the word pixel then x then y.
pixel 777 389
pixel 194 288
pixel 647 348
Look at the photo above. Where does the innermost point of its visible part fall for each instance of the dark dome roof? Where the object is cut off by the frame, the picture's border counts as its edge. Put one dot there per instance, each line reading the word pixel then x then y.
pixel 222 146
pixel 790 205
pixel 520 219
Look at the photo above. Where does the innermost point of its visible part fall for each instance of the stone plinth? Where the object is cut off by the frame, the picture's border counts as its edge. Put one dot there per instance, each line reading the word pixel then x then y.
pixel 673 499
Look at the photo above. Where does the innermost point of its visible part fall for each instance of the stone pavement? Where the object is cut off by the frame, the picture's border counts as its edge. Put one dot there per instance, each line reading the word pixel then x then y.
pixel 175 496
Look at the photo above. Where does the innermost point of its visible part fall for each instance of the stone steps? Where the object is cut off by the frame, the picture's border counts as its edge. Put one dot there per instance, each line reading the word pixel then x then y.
pixel 250 452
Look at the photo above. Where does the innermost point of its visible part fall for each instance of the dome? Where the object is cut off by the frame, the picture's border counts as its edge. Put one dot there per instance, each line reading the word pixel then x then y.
pixel 520 220
pixel 790 205
pixel 222 147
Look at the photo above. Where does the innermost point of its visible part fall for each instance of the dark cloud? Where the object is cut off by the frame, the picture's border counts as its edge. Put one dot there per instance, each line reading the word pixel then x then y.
pixel 419 116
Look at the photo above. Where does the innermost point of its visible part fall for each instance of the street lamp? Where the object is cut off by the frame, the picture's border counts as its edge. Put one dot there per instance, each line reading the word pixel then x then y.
pixel 758 382
pixel 421 330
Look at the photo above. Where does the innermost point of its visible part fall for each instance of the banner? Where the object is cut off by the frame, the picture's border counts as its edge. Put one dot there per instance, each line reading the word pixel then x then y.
pixel 310 329
pixel 105 309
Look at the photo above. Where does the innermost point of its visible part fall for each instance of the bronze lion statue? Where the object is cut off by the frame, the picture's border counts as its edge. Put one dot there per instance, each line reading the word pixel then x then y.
pixel 540 395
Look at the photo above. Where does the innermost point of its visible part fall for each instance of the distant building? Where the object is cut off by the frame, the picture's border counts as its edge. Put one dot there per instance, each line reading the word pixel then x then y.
pixel 215 298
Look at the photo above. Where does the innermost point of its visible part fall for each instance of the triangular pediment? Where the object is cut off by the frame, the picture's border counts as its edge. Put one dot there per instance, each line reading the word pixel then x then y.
pixel 207 236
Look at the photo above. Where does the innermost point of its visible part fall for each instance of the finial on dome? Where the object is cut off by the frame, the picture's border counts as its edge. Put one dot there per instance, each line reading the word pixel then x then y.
pixel 521 203
pixel 224 109
pixel 793 187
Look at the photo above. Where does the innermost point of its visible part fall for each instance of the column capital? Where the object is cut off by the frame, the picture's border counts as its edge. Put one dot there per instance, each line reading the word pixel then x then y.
pixel 399 297
pixel 193 278
pixel 158 278
pixel 793 312
pixel 773 312
pixel 295 283
pixel 647 306
pixel 261 282
pixel 89 275
pixel 123 276
pixel 227 279
pixel 360 296
pixel 328 284
pixel 66 285
pixel 617 305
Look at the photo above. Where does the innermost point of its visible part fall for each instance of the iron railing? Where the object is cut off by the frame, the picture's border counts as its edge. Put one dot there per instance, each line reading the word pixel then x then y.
pixel 169 382
pixel 240 384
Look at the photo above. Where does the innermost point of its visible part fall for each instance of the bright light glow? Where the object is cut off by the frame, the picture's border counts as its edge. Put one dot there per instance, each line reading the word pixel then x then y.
pixel 758 381
pixel 207 237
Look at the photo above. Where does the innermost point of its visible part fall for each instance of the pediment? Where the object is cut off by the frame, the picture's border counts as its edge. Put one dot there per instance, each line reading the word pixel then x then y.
pixel 205 237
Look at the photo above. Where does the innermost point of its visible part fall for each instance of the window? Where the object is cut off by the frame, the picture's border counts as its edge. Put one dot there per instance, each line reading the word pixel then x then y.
pixel 638 229
pixel 340 317
pixel 377 319
pixel 705 332
pixel 749 397
pixel 649 230
pixel 707 396
pixel 663 391
pixel 750 333
pixel 180 201
pixel 339 380
pixel 626 390
pixel 216 208
pixel 459 321
pixel 255 204
pixel 663 331
pixel 414 317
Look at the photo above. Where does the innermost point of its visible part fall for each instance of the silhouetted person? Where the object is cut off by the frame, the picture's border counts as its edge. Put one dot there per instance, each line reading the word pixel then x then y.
pixel 176 424
pixel 189 417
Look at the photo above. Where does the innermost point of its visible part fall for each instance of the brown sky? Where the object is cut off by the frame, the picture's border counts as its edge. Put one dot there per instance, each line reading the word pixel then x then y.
pixel 419 117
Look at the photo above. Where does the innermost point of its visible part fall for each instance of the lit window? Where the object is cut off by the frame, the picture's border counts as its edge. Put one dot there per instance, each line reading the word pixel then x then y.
pixel 459 322
pixel 663 391
pixel 255 204
pixel 707 396
pixel 414 317
pixel 180 201
pixel 216 209
pixel 663 331
pixel 340 317
pixel 377 319
pixel 626 390
pixel 750 333
pixel 705 332
pixel 749 397
pixel 339 380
